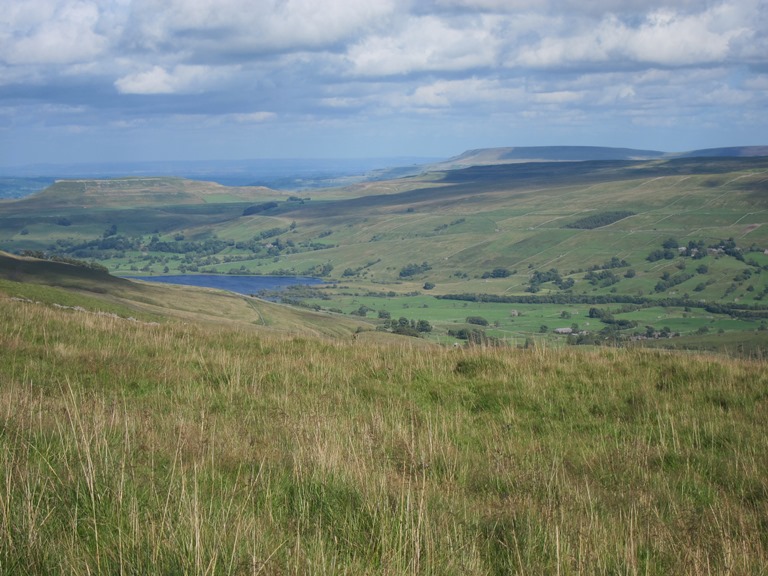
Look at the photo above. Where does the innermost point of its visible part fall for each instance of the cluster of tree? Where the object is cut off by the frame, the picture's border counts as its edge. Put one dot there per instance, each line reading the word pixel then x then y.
pixel 552 275
pixel 196 254
pixel 729 248
pixel 498 273
pixel 115 245
pixel 695 249
pixel 762 294
pixel 350 272
pixel 413 269
pixel 206 247
pixel 659 254
pixel 319 270
pixel 602 278
pixel 738 310
pixel 474 336
pixel 64 260
pixel 403 325
pixel 668 281
pixel 743 276
pixel 613 263
pixel 477 320
pixel 612 335
pixel 256 243
pixel 606 317
pixel 259 208
pixel 668 251
pixel 602 299
pixel 599 220
pixel 701 286
pixel 100 248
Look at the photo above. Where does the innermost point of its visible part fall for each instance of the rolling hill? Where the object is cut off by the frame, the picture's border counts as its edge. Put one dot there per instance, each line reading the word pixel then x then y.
pixel 149 428
pixel 85 289
pixel 508 155
pixel 684 234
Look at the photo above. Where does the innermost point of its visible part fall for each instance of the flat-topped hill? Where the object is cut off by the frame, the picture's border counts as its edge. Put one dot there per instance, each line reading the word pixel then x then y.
pixel 138 192
pixel 505 155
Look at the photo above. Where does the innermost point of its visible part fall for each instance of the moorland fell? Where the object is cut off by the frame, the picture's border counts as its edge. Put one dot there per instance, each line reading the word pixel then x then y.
pixel 149 428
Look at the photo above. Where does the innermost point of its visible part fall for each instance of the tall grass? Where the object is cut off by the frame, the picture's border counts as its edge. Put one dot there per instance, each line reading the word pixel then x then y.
pixel 131 449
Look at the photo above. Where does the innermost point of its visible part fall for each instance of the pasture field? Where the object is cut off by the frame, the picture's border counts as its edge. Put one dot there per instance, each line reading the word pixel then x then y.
pixel 183 446
pixel 450 230
pixel 512 323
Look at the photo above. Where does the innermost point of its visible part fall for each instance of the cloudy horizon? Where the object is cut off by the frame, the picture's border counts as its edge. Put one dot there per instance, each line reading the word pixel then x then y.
pixel 141 80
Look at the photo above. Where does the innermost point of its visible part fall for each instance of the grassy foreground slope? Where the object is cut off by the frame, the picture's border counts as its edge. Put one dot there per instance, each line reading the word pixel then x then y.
pixel 84 289
pixel 130 447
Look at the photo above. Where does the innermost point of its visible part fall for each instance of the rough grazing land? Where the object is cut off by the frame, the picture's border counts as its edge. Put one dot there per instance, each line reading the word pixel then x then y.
pixel 135 448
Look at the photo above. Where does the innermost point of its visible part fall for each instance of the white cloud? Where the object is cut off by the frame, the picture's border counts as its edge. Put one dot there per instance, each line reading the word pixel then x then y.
pixel 665 37
pixel 181 79
pixel 51 33
pixel 244 27
pixel 427 43
pixel 469 94
pixel 339 62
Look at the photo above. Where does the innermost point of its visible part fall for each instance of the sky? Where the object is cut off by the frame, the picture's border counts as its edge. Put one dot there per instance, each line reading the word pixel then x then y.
pixel 142 80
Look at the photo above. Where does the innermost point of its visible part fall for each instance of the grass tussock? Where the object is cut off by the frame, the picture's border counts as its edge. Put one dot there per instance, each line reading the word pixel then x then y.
pixel 133 448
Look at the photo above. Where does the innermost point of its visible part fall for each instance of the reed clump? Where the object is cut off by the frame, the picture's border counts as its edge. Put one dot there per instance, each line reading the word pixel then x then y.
pixel 133 448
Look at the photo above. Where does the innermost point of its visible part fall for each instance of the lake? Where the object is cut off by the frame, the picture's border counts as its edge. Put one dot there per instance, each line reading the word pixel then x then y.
pixel 240 284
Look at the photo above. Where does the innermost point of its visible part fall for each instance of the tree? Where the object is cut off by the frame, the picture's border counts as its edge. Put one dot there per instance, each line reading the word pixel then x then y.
pixel 258 208
pixel 412 269
pixel 362 311
pixel 670 244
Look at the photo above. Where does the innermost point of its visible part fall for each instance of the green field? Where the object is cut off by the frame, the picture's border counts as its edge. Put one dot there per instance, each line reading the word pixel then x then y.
pixel 463 224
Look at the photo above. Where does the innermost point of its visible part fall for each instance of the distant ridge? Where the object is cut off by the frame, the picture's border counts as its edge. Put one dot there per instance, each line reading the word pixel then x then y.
pixel 511 155
pixel 734 151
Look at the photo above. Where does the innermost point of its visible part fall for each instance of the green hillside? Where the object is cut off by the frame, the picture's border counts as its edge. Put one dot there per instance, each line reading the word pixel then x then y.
pixel 85 290
pixel 683 234
pixel 150 428
pixel 136 447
